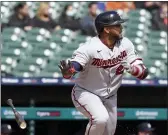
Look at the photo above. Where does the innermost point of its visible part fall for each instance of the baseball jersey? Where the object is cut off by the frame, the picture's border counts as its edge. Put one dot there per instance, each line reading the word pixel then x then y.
pixel 102 72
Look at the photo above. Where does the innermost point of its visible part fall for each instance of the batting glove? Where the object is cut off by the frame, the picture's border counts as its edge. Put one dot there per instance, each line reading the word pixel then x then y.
pixel 66 68
pixel 127 66
pixel 139 70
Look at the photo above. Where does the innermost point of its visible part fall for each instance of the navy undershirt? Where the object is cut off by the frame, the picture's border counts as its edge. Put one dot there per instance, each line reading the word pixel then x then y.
pixel 78 67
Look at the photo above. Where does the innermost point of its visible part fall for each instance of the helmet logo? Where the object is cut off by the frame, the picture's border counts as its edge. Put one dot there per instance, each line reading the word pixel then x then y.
pixel 149 125
pixel 111 15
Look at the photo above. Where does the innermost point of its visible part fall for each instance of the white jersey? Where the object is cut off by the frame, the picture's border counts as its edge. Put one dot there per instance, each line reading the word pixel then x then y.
pixel 102 72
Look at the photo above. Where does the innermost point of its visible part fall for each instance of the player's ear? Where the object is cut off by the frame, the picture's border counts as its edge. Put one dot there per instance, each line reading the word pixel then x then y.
pixel 106 29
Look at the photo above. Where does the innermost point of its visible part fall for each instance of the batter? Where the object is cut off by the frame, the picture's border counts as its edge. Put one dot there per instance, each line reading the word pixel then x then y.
pixel 100 64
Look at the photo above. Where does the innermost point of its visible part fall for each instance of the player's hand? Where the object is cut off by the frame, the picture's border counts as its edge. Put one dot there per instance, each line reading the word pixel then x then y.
pixel 127 66
pixel 66 68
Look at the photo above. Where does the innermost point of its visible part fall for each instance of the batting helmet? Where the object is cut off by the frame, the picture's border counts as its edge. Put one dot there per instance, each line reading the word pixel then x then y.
pixel 6 129
pixel 145 127
pixel 108 18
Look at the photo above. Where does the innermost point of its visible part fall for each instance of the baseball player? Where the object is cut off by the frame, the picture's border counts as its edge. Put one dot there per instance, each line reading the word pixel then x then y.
pixel 100 63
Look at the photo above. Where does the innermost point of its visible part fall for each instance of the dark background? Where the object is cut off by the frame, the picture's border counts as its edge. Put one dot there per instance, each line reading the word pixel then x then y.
pixel 60 96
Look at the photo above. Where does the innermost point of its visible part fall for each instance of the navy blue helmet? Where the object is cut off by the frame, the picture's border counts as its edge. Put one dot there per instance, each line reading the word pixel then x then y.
pixel 108 18
pixel 6 129
pixel 145 127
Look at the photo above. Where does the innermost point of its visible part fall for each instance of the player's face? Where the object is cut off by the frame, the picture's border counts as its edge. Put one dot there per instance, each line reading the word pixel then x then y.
pixel 114 31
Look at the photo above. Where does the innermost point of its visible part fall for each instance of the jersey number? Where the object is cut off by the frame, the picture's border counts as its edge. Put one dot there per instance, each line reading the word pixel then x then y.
pixel 119 70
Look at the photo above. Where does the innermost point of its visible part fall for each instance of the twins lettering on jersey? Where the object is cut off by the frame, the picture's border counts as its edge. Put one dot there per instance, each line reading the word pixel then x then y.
pixel 100 63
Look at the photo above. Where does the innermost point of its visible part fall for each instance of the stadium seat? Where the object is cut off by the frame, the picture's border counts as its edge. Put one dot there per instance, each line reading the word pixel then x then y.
pixel 137 40
pixel 47 74
pixel 71 46
pixel 14 53
pixel 66 54
pixel 22 74
pixel 6 68
pixel 7 60
pixel 21 45
pixel 47 45
pixel 12 30
pixel 62 32
pixel 139 13
pixel 158 48
pixel 158 34
pixel 9 38
pixel 36 31
pixel 21 67
pixel 39 52
pixel 132 34
pixel 59 39
pixel 137 26
pixel 52 68
pixel 155 63
pixel 155 72
pixel 157 55
pixel 157 41
pixel 37 61
pixel 36 53
pixel 80 39
pixel 35 38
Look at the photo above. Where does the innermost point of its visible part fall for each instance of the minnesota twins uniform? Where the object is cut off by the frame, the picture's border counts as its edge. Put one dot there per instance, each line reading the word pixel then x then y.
pixel 95 91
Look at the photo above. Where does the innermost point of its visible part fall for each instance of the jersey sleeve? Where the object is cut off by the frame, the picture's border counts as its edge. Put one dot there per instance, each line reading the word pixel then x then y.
pixel 132 56
pixel 81 55
pixel 138 69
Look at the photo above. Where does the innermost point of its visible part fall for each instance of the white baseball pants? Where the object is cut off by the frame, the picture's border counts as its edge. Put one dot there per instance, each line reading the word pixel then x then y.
pixel 101 112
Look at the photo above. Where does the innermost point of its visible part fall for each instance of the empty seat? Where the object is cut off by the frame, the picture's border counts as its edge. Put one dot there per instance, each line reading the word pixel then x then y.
pixel 10 38
pixel 158 34
pixel 21 67
pixel 48 74
pixel 80 39
pixel 15 53
pixel 66 54
pixel 6 68
pixel 157 55
pixel 71 46
pixel 37 61
pixel 22 74
pixel 157 41
pixel 44 53
pixel 157 48
pixel 8 60
pixel 21 45
pixel 59 39
pixel 35 38
pixel 138 13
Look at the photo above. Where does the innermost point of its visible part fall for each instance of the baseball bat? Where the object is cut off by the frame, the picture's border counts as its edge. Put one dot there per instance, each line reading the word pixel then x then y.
pixel 19 119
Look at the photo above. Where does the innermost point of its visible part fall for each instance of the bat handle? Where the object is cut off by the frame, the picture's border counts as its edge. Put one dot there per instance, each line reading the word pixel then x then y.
pixel 10 103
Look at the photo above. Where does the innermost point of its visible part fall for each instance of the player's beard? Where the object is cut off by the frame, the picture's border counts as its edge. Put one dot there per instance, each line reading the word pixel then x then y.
pixel 115 35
